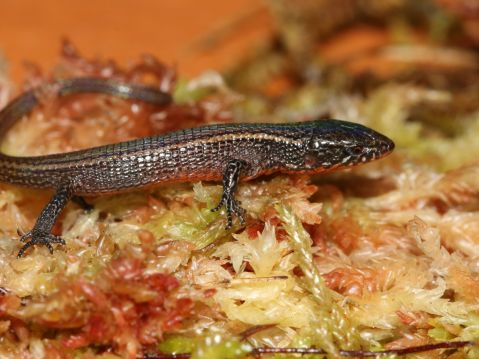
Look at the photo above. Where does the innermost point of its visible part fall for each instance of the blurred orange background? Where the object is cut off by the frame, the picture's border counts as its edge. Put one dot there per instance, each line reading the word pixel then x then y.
pixel 32 30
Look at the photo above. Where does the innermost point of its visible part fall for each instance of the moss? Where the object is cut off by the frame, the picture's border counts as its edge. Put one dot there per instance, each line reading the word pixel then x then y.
pixel 331 327
pixel 177 344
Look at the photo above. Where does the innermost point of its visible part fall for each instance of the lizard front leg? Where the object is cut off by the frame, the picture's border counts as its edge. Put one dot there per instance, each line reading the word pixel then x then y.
pixel 231 178
pixel 41 232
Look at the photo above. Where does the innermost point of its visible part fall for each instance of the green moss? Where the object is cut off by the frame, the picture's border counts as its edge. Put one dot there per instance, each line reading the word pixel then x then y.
pixel 439 334
pixel 177 344
pixel 216 347
pixel 210 347
pixel 184 94
pixel 198 226
pixel 473 353
pixel 195 223
pixel 471 330
pixel 330 328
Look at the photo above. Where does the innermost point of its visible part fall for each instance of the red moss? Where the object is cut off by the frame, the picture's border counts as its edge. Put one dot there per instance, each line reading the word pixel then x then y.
pixel 254 229
pixel 93 294
pixel 344 231
pixel 20 330
pixel 319 236
pixel 123 308
pixel 303 184
pixel 103 119
pixel 281 234
pixel 148 69
pixel 464 283
pixel 119 319
pixel 353 281
pixel 208 293
pixel 418 320
pixel 53 350
pixel 298 272
pixel 408 340
pixel 147 239
pixel 9 303
pixel 270 215
pixel 173 318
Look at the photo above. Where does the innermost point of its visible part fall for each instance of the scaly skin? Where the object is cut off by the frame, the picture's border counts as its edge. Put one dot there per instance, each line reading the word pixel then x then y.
pixel 231 152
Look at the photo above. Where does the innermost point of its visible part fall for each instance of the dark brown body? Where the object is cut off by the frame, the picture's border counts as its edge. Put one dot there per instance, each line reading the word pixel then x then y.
pixel 190 155
pixel 229 152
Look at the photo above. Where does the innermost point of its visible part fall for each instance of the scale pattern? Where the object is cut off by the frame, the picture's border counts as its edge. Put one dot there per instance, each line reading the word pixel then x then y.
pixel 227 152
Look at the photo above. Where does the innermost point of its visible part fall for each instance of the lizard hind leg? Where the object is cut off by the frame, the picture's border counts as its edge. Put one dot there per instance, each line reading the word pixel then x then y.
pixel 41 232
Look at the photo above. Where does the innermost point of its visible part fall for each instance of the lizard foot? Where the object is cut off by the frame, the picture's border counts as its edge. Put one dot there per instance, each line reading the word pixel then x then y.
pixel 37 237
pixel 232 207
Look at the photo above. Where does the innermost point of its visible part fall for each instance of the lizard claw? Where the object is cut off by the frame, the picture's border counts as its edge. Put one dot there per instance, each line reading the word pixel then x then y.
pixel 36 238
pixel 218 207
pixel 25 236
pixel 232 206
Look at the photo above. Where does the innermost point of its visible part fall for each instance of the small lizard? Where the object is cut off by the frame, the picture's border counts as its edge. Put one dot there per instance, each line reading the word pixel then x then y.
pixel 227 152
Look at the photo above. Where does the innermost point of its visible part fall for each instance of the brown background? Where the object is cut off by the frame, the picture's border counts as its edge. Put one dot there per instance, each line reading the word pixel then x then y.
pixel 123 29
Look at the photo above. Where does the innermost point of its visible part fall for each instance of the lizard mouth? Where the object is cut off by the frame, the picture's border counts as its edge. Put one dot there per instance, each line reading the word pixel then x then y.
pixel 383 147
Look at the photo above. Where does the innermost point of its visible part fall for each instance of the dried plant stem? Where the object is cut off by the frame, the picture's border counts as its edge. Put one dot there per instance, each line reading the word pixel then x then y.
pixel 344 353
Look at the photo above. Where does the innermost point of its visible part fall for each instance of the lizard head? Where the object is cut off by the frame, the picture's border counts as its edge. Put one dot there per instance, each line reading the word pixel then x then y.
pixel 333 144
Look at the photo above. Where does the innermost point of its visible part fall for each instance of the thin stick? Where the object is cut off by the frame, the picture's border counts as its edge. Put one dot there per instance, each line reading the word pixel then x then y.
pixel 345 353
